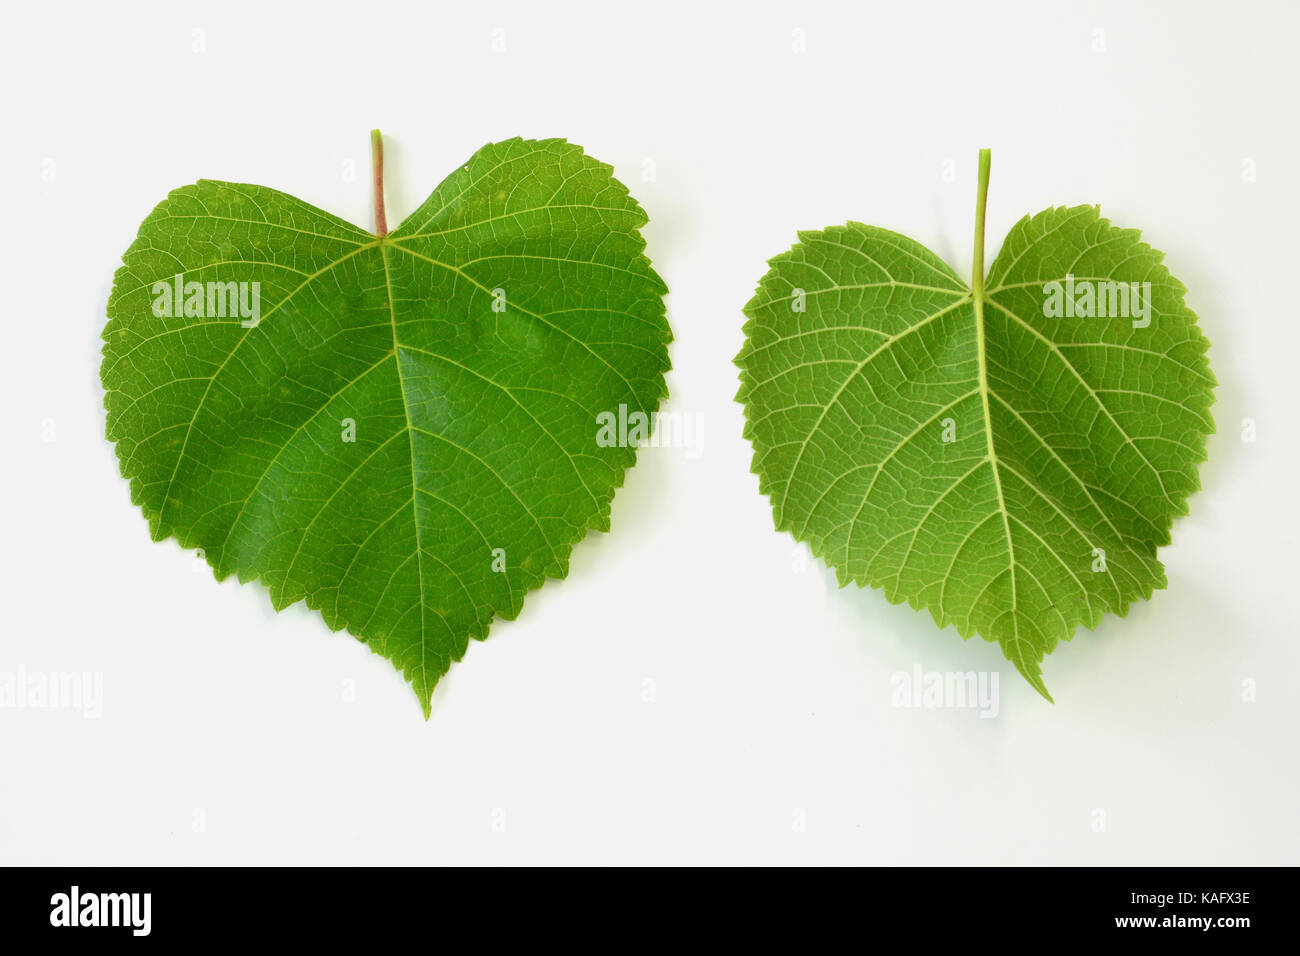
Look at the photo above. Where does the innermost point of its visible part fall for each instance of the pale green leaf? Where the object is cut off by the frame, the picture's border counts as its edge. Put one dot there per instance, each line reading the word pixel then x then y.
pixel 1072 443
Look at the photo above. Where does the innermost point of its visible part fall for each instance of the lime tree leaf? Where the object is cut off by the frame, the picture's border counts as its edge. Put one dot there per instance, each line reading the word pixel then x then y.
pixel 405 435
pixel 975 450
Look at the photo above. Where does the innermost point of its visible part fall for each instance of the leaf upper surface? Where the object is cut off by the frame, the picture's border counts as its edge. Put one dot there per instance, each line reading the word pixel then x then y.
pixel 473 429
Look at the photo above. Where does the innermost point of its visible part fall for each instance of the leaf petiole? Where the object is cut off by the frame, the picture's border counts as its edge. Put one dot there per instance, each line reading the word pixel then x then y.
pixel 377 162
pixel 981 200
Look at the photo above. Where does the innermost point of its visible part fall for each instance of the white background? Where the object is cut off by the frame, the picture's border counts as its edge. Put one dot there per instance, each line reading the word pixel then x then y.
pixel 771 687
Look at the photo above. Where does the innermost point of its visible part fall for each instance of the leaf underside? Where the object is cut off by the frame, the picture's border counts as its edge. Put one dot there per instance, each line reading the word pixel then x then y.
pixel 473 429
pixel 1068 439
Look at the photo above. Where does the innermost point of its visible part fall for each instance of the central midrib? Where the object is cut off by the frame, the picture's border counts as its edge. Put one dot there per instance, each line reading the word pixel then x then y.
pixel 410 440
pixel 977 299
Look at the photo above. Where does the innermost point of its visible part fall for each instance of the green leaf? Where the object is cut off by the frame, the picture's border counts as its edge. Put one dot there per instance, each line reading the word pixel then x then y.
pixel 1012 471
pixel 406 438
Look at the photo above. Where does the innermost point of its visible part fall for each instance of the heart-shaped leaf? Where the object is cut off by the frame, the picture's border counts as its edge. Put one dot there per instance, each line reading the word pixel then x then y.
pixel 400 429
pixel 1009 455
